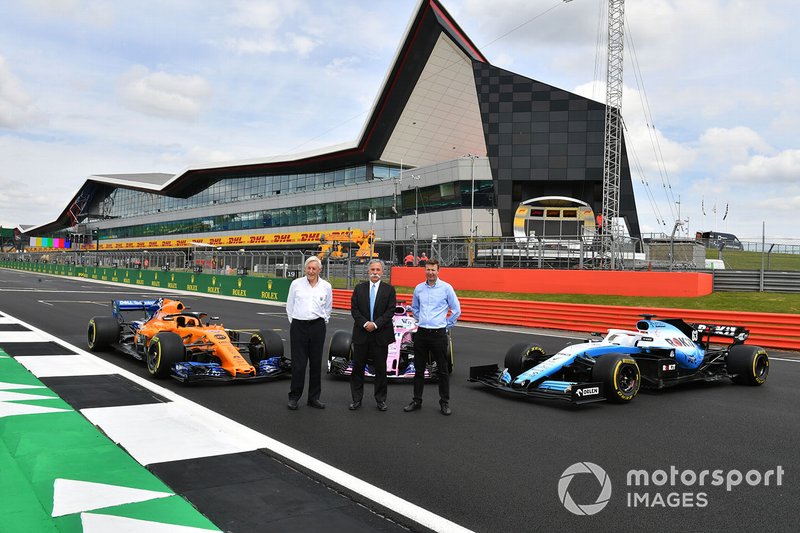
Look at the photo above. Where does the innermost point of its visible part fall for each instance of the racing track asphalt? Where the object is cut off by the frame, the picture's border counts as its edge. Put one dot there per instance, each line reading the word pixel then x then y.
pixel 495 465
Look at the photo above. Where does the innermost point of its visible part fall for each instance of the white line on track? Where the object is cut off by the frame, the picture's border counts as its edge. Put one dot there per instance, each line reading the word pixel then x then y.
pixel 786 360
pixel 93 302
pixel 254 440
pixel 36 289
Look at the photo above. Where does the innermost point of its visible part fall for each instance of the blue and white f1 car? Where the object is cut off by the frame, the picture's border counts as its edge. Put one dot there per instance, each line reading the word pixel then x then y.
pixel 658 354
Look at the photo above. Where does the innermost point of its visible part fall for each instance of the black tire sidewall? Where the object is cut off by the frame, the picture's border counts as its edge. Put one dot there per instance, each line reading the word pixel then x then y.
pixel 341 345
pixel 102 331
pixel 741 364
pixel 607 369
pixel 170 351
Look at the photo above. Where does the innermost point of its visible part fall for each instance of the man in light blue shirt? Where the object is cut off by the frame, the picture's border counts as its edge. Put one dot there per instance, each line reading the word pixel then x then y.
pixel 432 300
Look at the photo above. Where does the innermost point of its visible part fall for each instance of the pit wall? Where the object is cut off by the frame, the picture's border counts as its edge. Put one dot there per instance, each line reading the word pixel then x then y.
pixel 677 284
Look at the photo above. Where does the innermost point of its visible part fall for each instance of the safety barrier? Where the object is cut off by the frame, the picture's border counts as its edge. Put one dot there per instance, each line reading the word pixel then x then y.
pixel 273 289
pixel 771 330
pixel 623 283
pixel 754 281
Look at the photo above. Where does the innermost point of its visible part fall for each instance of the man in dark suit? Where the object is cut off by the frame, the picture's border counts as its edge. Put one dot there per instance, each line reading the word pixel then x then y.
pixel 372 306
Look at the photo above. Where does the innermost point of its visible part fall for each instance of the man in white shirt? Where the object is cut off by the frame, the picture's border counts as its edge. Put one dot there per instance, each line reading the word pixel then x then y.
pixel 309 308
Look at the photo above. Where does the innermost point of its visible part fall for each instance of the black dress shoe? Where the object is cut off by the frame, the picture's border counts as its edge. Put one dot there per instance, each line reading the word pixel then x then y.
pixel 445 408
pixel 292 405
pixel 355 405
pixel 413 406
pixel 382 406
pixel 316 404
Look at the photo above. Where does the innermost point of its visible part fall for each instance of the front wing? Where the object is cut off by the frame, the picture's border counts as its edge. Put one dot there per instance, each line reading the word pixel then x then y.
pixel 575 393
pixel 192 372
pixel 345 370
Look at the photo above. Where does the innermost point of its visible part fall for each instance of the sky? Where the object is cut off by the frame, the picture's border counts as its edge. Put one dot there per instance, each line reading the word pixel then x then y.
pixel 710 96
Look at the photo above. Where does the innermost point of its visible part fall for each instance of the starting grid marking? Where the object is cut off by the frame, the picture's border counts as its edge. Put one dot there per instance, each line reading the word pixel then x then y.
pixel 185 421
pixel 58 468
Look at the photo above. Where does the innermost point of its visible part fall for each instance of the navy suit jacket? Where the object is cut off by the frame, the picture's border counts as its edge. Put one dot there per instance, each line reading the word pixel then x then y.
pixel 385 304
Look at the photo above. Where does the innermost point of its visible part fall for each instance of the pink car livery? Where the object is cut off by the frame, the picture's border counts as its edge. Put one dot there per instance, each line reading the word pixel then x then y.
pixel 400 363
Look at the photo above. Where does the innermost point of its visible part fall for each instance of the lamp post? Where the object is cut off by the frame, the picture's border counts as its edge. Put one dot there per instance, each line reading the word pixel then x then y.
pixel 372 218
pixel 416 212
pixel 472 206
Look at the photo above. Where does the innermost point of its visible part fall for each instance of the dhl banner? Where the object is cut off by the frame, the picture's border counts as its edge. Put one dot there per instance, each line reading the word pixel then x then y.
pixel 308 237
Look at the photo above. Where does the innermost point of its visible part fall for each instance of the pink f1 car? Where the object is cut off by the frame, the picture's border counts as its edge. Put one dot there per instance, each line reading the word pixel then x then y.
pixel 400 364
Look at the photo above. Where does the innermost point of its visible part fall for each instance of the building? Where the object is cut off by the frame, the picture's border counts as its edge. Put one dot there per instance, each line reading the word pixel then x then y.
pixel 450 148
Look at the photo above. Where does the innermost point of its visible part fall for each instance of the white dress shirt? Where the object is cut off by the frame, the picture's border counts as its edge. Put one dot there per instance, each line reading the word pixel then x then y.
pixel 309 303
pixel 377 286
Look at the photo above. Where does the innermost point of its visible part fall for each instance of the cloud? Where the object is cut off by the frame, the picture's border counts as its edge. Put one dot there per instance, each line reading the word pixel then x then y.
pixel 341 65
pixel 731 145
pixel 261 15
pixel 21 203
pixel 269 44
pixel 96 13
pixel 258 26
pixel 781 168
pixel 16 105
pixel 782 203
pixel 162 94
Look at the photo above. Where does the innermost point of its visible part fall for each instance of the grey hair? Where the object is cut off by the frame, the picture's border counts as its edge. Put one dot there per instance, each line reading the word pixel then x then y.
pixel 376 260
pixel 313 258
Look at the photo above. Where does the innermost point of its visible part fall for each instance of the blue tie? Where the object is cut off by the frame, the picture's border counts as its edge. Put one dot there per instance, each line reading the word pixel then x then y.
pixel 372 292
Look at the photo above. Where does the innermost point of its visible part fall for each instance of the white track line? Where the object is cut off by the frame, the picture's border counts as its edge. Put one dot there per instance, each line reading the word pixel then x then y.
pixel 251 439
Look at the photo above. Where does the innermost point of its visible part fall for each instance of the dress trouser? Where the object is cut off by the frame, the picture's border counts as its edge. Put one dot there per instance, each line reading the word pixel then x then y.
pixel 307 338
pixel 361 353
pixel 434 342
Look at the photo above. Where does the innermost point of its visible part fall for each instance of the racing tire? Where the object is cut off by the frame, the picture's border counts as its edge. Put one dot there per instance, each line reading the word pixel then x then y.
pixel 102 332
pixel 263 345
pixel 748 365
pixel 165 349
pixel 522 357
pixel 620 376
pixel 341 347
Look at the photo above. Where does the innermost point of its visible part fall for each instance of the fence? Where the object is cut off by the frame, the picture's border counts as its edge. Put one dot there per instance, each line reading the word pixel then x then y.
pixel 750 281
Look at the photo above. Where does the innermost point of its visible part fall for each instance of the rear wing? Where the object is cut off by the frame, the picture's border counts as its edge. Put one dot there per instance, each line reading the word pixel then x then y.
pixel 701 333
pixel 148 306
pixel 738 333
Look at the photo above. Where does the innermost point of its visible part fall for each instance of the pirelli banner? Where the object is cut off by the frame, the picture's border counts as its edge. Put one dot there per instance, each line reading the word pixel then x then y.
pixel 272 289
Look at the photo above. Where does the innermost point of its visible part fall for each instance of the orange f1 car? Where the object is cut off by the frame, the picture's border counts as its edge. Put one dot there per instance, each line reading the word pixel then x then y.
pixel 186 345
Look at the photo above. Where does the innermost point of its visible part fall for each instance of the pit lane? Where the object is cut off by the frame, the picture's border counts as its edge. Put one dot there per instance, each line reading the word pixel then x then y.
pixel 496 463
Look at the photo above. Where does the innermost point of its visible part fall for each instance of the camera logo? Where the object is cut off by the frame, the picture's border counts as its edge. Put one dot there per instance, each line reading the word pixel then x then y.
pixel 589 508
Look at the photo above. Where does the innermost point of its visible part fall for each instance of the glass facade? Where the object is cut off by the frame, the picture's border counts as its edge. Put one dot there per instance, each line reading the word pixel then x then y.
pixel 334 212
pixel 451 195
pixel 126 203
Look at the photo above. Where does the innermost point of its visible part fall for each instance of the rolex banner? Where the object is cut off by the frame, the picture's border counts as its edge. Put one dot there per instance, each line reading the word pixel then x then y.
pixel 260 288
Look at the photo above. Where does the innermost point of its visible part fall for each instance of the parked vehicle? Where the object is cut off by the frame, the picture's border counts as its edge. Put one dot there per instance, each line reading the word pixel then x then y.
pixel 657 354
pixel 186 345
